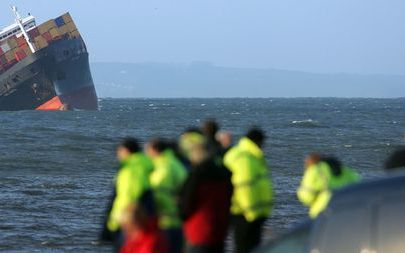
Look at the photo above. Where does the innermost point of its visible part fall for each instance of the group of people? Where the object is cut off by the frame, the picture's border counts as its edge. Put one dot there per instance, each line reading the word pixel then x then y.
pixel 185 195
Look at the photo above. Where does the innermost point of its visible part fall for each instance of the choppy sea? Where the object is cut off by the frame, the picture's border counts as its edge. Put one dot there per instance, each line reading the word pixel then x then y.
pixel 56 168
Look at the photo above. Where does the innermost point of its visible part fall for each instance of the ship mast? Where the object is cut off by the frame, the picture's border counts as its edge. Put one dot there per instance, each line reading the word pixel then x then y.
pixel 18 20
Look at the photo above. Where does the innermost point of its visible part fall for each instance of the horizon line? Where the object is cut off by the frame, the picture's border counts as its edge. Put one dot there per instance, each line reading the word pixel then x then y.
pixel 211 64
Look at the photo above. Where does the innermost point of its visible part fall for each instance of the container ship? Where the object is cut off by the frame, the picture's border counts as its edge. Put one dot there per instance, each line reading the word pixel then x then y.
pixel 44 67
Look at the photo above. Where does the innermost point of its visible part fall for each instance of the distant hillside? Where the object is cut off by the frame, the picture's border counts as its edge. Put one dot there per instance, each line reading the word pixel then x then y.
pixel 206 80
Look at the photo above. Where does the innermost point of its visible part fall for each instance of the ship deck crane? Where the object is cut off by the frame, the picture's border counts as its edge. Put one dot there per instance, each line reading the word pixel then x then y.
pixel 18 20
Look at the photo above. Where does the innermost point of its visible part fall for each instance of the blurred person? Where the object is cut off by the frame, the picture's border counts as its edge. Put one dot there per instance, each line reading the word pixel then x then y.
pixel 166 180
pixel 225 140
pixel 319 182
pixel 131 184
pixel 205 202
pixel 252 199
pixel 210 129
pixel 141 230
pixel 189 138
pixel 396 161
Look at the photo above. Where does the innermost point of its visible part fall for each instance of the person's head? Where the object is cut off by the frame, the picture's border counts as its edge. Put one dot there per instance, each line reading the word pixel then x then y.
pixel 199 153
pixel 210 128
pixel 396 160
pixel 155 147
pixel 334 164
pixel 189 138
pixel 224 138
pixel 257 136
pixel 126 148
pixel 311 159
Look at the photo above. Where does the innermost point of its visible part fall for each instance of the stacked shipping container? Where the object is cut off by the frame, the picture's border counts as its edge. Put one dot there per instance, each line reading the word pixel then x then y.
pixel 16 48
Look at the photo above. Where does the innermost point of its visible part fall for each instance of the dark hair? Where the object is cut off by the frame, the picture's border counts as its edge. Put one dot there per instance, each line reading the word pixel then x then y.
pixel 334 164
pixel 396 159
pixel 159 144
pixel 210 128
pixel 256 135
pixel 131 144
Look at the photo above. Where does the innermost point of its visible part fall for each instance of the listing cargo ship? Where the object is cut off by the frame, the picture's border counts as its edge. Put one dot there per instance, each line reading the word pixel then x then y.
pixel 45 67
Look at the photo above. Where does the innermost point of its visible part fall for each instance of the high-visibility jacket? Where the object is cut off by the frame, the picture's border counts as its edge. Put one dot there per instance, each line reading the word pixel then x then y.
pixel 166 180
pixel 131 182
pixel 318 184
pixel 253 191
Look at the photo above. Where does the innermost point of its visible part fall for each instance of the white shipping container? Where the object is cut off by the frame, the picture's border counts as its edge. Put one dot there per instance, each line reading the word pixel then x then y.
pixel 5 47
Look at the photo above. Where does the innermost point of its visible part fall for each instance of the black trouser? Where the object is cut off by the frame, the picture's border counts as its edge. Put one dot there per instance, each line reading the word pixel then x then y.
pixel 204 249
pixel 247 235
pixel 175 238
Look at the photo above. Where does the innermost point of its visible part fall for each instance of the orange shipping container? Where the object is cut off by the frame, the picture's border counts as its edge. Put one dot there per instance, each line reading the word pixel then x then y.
pixel 20 55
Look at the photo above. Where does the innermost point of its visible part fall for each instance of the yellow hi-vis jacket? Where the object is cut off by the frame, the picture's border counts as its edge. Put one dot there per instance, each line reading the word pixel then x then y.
pixel 166 180
pixel 253 191
pixel 131 182
pixel 318 183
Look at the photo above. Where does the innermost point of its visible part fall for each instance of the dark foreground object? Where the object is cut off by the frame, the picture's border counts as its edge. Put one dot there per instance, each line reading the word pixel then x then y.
pixel 367 217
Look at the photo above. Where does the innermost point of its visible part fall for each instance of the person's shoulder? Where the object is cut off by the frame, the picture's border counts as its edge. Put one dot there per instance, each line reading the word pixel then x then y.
pixel 140 159
pixel 237 155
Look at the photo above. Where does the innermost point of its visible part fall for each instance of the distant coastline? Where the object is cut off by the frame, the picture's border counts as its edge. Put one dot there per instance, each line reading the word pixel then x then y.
pixel 205 80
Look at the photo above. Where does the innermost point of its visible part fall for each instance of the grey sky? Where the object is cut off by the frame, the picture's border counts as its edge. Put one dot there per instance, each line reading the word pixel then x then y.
pixel 355 36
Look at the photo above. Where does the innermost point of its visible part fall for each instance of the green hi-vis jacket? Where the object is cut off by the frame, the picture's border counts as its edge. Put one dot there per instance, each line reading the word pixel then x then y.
pixel 318 183
pixel 131 182
pixel 253 191
pixel 166 180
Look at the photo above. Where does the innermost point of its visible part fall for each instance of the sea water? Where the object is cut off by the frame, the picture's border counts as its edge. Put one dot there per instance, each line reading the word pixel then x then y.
pixel 56 168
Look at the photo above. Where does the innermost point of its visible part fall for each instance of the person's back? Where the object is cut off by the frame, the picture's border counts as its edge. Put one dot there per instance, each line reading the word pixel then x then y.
pixel 166 180
pixel 320 180
pixel 253 194
pixel 131 183
pixel 205 203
